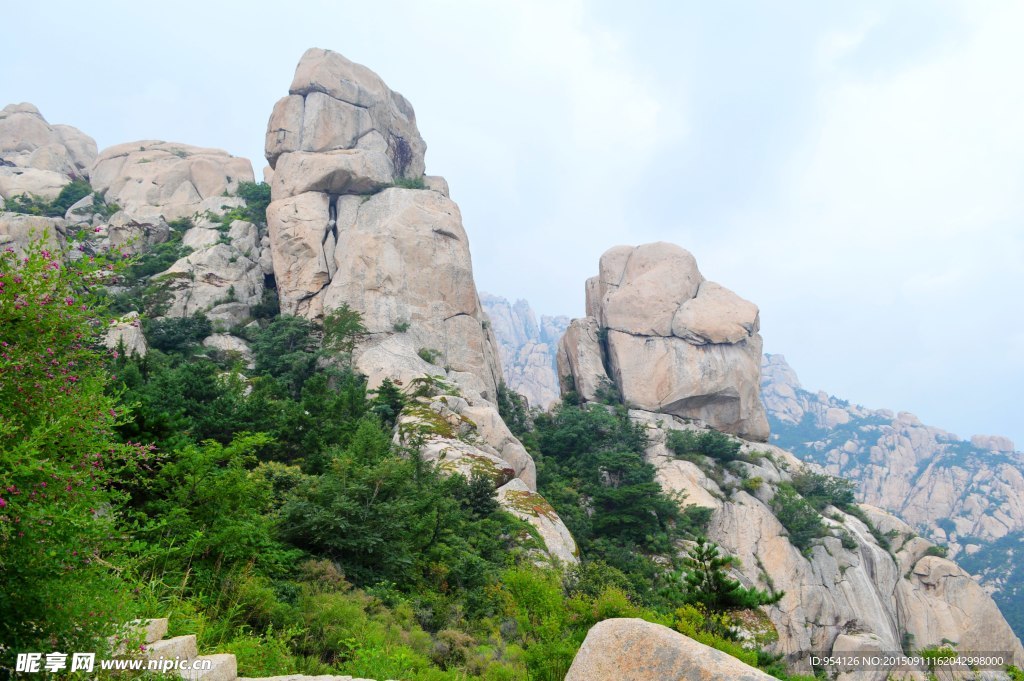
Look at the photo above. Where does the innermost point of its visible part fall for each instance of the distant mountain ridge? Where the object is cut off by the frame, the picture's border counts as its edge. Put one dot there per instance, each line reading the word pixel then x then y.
pixel 527 348
pixel 966 494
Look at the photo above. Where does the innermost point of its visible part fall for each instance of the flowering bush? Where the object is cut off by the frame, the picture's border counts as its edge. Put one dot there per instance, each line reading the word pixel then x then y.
pixel 59 460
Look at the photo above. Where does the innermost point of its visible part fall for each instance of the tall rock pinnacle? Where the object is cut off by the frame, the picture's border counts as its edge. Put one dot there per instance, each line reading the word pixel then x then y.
pixel 353 221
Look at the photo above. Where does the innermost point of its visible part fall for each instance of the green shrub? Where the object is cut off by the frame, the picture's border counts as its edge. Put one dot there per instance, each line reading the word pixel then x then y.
pixel 710 443
pixel 708 584
pixel 429 355
pixel 177 334
pixel 410 183
pixel 940 550
pixel 802 522
pixel 822 490
pixel 60 461
pixel 257 198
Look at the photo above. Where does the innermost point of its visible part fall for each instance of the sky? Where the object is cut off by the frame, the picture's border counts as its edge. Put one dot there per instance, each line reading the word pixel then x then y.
pixel 855 169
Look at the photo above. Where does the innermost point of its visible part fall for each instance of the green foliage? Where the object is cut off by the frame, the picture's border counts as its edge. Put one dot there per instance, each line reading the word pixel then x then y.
pixel 285 349
pixel 751 485
pixel 940 550
pixel 710 443
pixel 935 654
pixel 591 469
pixel 802 522
pixel 383 517
pixel 387 403
pixel 70 194
pixel 343 327
pixel 410 183
pixel 822 490
pixel 207 508
pixel 257 198
pixel 429 355
pixel 513 409
pixel 177 334
pixel 708 584
pixel 59 460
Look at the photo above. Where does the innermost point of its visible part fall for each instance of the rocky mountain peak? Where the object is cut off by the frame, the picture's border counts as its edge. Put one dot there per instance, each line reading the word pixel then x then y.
pixel 354 223
pixel 38 159
pixel 527 348
pixel 334 104
pixel 650 307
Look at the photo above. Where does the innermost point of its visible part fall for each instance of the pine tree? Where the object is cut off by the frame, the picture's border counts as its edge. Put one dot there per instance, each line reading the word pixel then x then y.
pixel 708 584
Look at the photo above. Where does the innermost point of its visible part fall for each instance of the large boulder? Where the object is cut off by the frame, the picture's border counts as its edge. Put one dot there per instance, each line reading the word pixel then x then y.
pixel 671 341
pixel 627 649
pixel 37 158
pixel 166 178
pixel 17 231
pixel 334 104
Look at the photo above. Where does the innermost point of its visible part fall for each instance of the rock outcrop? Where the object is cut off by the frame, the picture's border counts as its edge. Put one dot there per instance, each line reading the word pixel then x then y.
pixel 846 583
pixel 967 495
pixel 38 159
pixel 154 179
pixel 624 649
pixel 668 340
pixel 354 222
pixel 528 349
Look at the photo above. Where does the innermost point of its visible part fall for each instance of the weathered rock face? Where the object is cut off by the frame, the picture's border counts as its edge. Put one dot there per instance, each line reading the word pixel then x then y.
pixel 37 158
pixel 622 649
pixel 334 104
pixel 17 231
pixel 831 590
pixel 669 341
pixel 528 349
pixel 968 495
pixel 126 333
pixel 342 234
pixel 168 179
pixel 222 278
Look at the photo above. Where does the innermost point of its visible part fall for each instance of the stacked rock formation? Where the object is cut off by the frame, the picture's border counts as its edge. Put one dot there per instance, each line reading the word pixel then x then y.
pixel 37 158
pixel 668 341
pixel 353 221
pixel 680 350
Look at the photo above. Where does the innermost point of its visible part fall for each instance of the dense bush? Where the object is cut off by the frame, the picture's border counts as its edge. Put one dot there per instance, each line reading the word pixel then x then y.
pixel 802 522
pixel 710 443
pixel 822 490
pixel 271 514
pixel 59 459
pixel 591 469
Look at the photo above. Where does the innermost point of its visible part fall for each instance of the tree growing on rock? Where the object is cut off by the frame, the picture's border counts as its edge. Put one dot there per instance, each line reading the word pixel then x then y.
pixel 709 585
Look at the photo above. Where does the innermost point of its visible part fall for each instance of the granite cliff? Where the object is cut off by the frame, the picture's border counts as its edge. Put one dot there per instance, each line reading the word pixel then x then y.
pixel 967 495
pixel 684 354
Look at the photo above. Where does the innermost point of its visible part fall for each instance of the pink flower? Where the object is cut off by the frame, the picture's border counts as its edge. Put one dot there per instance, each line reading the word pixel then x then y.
pixel 2 502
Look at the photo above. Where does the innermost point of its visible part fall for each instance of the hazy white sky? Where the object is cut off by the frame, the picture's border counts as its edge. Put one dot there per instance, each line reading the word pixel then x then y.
pixel 855 169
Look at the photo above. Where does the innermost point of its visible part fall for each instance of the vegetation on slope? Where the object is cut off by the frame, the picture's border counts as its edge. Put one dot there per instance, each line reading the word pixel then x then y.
pixel 269 512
